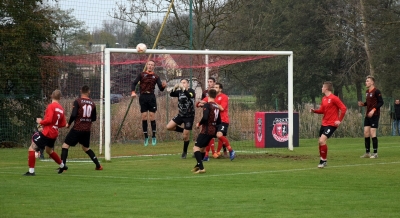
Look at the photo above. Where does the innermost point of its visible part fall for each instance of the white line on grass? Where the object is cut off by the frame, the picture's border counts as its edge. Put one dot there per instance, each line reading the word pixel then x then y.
pixel 211 175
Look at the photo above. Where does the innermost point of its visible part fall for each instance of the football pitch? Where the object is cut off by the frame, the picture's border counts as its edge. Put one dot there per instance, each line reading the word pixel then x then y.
pixel 278 183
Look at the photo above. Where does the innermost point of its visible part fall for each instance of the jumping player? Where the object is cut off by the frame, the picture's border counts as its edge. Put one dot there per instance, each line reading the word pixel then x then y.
pixel 186 113
pixel 147 99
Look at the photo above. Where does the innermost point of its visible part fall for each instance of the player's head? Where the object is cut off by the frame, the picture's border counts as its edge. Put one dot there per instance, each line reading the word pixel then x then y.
pixel 397 101
pixel 212 93
pixel 85 90
pixel 370 81
pixel 218 87
pixel 39 127
pixel 327 86
pixel 56 95
pixel 210 82
pixel 150 65
pixel 185 83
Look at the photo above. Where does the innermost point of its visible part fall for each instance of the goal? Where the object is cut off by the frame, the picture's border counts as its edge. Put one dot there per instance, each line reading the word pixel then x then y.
pixel 133 122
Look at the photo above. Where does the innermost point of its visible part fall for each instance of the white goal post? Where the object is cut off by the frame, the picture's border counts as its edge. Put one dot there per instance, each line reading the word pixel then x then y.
pixel 107 83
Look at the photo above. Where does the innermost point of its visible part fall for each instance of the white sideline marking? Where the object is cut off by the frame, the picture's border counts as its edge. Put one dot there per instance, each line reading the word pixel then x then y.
pixel 208 175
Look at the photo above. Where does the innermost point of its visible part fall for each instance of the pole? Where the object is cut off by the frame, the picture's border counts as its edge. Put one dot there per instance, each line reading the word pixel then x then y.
pixel 101 98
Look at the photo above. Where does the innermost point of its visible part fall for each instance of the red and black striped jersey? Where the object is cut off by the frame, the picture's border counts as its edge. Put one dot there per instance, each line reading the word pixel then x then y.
pixel 210 119
pixel 373 100
pixel 148 81
pixel 83 114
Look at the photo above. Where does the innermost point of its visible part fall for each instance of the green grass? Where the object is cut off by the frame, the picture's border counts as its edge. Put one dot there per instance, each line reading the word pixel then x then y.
pixel 279 183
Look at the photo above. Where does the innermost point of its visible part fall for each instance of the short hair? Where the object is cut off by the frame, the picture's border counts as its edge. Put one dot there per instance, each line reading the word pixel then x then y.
pixel 371 78
pixel 220 85
pixel 211 78
pixel 329 85
pixel 85 89
pixel 56 95
pixel 212 93
pixel 151 61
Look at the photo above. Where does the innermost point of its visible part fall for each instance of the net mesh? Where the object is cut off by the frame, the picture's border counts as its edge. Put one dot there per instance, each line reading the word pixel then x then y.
pixel 86 69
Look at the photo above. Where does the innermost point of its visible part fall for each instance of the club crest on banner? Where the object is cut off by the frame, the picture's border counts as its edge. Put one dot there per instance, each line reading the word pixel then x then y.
pixel 280 130
pixel 259 129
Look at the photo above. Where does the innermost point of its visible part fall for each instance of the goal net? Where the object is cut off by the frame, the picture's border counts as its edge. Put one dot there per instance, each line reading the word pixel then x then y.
pixel 182 64
pixel 109 72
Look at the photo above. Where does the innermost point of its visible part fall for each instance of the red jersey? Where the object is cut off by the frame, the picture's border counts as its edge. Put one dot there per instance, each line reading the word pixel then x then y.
pixel 330 106
pixel 53 119
pixel 222 100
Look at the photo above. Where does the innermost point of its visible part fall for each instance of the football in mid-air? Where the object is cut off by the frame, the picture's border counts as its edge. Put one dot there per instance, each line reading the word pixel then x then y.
pixel 141 48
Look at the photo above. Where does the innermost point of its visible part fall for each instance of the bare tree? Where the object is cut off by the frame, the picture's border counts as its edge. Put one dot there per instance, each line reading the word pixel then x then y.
pixel 208 16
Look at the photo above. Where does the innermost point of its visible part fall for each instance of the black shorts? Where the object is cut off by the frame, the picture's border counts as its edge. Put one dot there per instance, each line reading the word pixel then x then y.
pixel 371 121
pixel 187 121
pixel 327 130
pixel 223 127
pixel 148 102
pixel 42 141
pixel 203 140
pixel 74 137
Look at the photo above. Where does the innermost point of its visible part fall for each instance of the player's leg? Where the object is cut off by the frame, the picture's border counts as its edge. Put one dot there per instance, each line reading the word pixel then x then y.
pixel 187 127
pixel 367 139
pixel 198 150
pixel 144 111
pixel 322 147
pixel 224 131
pixel 85 142
pixel 172 126
pixel 71 139
pixel 325 133
pixel 31 159
pixel 50 151
pixel 186 142
pixel 374 127
pixel 64 156
pixel 152 111
pixel 209 147
pixel 41 151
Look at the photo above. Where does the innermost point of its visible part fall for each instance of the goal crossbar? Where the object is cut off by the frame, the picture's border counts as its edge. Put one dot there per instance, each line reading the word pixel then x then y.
pixel 107 83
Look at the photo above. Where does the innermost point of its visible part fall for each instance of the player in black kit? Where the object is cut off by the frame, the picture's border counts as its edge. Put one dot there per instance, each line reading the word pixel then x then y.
pixel 186 97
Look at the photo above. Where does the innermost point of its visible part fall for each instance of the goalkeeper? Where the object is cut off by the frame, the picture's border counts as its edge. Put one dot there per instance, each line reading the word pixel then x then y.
pixel 147 99
pixel 186 113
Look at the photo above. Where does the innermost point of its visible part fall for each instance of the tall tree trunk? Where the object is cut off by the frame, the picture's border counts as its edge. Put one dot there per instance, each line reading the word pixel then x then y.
pixel 366 37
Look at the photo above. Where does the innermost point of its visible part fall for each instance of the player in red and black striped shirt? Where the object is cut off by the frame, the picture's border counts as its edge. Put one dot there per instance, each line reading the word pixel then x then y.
pixel 374 102
pixel 330 106
pixel 83 114
pixel 209 123
pixel 147 99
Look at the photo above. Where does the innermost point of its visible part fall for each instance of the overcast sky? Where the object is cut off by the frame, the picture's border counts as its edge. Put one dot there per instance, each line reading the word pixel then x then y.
pixel 92 12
